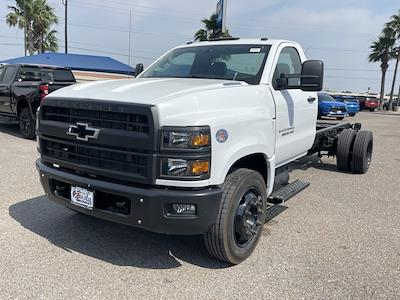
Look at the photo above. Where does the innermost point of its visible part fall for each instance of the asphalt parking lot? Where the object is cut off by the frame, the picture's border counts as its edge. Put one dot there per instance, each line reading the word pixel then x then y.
pixel 340 238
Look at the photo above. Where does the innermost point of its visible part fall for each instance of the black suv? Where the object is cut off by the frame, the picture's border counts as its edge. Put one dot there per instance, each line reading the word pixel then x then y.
pixel 22 89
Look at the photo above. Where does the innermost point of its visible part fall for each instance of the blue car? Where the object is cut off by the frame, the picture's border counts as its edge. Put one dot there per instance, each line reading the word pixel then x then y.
pixel 353 105
pixel 328 107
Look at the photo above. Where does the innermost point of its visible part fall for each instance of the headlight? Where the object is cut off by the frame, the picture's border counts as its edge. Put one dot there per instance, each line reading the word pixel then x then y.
pixel 185 138
pixel 185 153
pixel 174 167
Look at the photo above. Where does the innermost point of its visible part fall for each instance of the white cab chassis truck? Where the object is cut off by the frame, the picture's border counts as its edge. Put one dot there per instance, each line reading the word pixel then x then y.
pixel 198 143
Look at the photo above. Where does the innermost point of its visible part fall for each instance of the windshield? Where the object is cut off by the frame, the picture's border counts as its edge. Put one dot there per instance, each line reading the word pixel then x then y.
pixel 325 98
pixel 228 62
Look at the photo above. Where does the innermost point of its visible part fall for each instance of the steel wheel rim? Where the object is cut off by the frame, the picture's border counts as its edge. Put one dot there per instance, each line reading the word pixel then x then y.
pixel 248 215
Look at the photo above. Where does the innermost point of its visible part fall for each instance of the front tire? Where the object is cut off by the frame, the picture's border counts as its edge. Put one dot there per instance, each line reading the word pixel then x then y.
pixel 240 219
pixel 352 114
pixel 26 124
pixel 340 118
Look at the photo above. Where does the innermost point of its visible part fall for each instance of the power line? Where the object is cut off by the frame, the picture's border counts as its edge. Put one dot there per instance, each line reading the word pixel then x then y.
pixel 127 31
pixel 112 53
pixel 354 70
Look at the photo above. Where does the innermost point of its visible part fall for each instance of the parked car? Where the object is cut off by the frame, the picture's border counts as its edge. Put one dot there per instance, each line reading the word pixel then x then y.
pixel 368 102
pixel 22 89
pixel 329 107
pixel 352 104
pixel 395 103
pixel 196 144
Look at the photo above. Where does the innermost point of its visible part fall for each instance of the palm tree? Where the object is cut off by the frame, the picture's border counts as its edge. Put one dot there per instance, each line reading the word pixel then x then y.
pixel 210 30
pixel 382 51
pixel 393 29
pixel 35 17
pixel 45 39
pixel 21 17
pixel 50 42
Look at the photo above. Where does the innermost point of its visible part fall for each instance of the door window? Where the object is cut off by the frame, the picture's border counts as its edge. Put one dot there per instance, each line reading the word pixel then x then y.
pixel 8 74
pixel 1 74
pixel 289 62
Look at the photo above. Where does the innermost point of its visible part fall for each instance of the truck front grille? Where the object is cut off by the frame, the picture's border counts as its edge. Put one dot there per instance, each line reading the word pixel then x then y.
pixel 97 118
pixel 335 109
pixel 98 157
pixel 124 149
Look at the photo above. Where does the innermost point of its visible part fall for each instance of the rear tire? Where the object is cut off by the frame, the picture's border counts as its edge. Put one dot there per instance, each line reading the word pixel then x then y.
pixel 352 114
pixel 362 152
pixel 372 109
pixel 240 219
pixel 26 124
pixel 343 150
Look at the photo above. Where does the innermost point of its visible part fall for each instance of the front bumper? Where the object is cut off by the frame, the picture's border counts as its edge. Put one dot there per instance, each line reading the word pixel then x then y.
pixel 334 114
pixel 147 205
pixel 353 109
pixel 371 105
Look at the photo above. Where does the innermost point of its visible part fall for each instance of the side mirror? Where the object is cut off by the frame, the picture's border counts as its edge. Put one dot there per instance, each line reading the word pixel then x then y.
pixel 312 76
pixel 138 69
pixel 282 82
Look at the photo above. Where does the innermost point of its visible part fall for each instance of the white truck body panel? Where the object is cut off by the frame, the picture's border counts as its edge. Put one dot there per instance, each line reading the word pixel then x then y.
pixel 255 116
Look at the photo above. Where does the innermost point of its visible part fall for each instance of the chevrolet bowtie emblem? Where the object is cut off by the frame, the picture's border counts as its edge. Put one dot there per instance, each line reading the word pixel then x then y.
pixel 83 132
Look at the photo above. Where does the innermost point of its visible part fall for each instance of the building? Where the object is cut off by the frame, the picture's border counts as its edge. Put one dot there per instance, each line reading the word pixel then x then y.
pixel 84 67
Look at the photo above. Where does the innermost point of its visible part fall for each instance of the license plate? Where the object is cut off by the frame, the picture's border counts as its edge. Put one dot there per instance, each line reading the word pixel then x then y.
pixel 339 111
pixel 82 197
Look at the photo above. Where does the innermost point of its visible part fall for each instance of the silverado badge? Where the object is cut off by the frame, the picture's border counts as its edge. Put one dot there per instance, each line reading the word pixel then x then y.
pixel 83 132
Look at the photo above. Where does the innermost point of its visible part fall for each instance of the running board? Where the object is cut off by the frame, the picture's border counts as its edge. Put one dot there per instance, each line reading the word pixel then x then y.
pixel 288 191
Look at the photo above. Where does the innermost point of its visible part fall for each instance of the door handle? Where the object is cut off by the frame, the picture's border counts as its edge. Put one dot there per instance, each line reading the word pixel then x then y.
pixel 311 99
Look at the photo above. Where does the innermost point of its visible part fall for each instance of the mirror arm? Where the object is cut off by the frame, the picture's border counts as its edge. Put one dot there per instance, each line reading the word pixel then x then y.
pixel 300 76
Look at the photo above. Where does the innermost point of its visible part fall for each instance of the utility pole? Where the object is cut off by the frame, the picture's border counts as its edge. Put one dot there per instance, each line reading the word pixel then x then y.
pixel 65 3
pixel 394 78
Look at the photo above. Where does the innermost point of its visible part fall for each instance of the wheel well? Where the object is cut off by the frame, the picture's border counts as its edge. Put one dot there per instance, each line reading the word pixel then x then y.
pixel 256 162
pixel 20 105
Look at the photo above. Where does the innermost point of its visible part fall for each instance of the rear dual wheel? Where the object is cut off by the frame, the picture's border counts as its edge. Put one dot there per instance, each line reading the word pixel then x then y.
pixel 240 219
pixel 354 151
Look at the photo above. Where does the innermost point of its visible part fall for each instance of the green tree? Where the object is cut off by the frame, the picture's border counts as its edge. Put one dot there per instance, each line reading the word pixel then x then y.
pixel 21 17
pixel 382 51
pixel 35 17
pixel 393 29
pixel 210 30
pixel 44 38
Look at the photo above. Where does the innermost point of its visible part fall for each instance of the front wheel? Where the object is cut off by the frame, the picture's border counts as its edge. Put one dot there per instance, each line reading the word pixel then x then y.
pixel 26 123
pixel 240 219
pixel 340 118
pixel 352 114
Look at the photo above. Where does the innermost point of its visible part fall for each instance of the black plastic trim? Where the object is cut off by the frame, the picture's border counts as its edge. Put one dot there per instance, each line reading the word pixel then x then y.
pixel 147 203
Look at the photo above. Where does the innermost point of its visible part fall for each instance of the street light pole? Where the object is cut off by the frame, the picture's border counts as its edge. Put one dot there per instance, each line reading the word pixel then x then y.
pixel 65 2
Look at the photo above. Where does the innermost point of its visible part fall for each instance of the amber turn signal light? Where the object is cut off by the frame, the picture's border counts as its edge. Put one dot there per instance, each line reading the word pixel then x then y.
pixel 200 140
pixel 200 167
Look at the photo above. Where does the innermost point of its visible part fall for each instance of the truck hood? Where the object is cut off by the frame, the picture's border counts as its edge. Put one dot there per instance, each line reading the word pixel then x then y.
pixel 150 91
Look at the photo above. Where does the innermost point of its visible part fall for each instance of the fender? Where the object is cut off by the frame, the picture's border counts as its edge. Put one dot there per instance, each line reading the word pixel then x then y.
pixel 270 161
pixel 29 105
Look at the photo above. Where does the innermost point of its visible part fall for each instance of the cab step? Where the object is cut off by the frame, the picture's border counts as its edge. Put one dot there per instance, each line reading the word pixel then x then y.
pixel 288 191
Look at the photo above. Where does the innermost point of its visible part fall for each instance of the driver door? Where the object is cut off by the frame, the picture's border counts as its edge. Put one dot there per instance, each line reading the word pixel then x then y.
pixel 296 110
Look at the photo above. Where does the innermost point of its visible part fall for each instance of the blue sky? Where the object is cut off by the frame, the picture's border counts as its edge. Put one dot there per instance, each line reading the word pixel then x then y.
pixel 338 32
